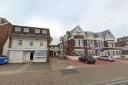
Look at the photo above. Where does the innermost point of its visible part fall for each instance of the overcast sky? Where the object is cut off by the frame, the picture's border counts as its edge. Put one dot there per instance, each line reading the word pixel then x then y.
pixel 63 15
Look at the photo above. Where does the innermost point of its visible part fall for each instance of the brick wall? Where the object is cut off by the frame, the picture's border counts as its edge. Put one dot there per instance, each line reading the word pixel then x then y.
pixel 5 31
pixel 70 48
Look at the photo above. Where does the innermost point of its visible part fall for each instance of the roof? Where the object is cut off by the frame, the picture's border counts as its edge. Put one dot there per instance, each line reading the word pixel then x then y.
pixel 3 21
pixel 31 33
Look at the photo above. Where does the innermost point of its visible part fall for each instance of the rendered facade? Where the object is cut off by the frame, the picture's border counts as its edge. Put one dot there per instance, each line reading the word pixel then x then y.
pixel 26 44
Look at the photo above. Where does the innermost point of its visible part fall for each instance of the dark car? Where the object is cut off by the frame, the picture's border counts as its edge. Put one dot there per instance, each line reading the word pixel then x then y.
pixel 87 59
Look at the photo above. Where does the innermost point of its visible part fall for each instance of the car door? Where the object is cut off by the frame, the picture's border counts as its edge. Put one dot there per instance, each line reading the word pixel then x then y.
pixel 104 57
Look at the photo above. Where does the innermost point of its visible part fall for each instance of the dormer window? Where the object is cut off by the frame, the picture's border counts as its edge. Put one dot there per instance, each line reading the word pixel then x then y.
pixel 44 31
pixel 37 30
pixel 26 29
pixel 17 29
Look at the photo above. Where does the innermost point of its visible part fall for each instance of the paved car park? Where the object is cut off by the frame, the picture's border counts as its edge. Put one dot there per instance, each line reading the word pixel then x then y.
pixel 57 74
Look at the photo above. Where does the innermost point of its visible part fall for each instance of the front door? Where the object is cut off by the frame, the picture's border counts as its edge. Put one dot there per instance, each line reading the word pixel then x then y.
pixel 31 55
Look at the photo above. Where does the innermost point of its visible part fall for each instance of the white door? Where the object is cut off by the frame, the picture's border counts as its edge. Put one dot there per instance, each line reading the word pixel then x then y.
pixel 26 56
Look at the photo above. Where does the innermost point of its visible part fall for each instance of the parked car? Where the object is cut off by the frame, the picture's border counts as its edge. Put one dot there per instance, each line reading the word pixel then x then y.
pixel 87 59
pixel 106 58
pixel 3 59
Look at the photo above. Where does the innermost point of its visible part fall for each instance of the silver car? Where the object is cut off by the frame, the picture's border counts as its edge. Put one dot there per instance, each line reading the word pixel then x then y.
pixel 107 58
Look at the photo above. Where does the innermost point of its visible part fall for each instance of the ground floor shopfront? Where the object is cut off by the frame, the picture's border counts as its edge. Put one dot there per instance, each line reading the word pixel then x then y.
pixel 116 53
pixel 27 55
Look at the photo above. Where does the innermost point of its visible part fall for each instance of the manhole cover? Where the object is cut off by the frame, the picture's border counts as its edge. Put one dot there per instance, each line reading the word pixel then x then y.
pixel 68 71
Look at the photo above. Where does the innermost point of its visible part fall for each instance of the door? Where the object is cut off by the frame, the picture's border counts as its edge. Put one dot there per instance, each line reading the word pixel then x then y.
pixel 31 55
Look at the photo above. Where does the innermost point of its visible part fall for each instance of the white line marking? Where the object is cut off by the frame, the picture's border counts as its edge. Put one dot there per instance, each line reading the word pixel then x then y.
pixel 117 82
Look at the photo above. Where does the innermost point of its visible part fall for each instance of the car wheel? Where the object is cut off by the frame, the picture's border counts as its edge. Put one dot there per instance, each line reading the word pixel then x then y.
pixel 94 62
pixel 108 60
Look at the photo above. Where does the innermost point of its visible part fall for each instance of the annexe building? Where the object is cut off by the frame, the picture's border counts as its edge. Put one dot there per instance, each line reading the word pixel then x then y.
pixel 54 49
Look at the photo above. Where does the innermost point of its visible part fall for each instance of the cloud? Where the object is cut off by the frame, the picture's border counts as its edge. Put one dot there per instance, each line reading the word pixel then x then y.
pixel 55 27
pixel 106 14
pixel 63 15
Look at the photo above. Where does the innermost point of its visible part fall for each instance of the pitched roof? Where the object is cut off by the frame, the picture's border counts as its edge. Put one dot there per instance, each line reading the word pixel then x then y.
pixel 3 21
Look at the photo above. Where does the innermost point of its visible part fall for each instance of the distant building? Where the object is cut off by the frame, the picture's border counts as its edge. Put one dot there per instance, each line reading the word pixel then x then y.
pixel 122 42
pixel 27 44
pixel 79 42
pixel 54 49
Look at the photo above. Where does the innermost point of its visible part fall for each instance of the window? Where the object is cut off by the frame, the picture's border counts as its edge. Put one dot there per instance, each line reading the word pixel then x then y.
pixel 78 42
pixel 19 43
pixel 44 31
pixel 41 43
pixel 26 29
pixel 31 43
pixel 17 29
pixel 37 30
pixel 85 42
pixel 41 53
pixel 78 33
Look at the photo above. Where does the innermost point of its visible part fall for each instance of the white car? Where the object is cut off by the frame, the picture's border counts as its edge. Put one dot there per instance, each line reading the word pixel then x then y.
pixel 107 58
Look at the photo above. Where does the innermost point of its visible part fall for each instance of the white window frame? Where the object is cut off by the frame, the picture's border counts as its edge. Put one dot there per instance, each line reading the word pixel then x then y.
pixel 37 30
pixel 77 42
pixel 17 29
pixel 41 43
pixel 26 29
pixel 44 31
pixel 19 42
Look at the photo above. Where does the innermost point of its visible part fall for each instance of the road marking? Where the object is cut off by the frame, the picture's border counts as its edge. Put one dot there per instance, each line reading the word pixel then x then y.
pixel 118 82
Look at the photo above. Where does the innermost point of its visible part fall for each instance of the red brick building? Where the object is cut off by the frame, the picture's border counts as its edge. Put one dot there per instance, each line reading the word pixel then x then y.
pixel 5 31
pixel 122 43
pixel 79 42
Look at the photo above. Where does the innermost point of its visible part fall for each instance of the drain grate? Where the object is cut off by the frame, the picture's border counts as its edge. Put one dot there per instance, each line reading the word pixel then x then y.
pixel 68 71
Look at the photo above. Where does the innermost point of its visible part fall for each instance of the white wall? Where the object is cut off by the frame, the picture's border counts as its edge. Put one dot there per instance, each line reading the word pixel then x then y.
pixel 15 56
pixel 5 48
pixel 26 56
pixel 26 41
